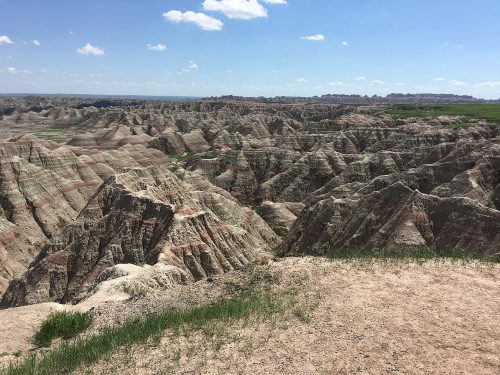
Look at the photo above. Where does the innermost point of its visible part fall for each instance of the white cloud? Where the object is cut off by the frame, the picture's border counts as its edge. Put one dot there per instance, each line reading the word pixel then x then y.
pixel 489 84
pixel 275 1
pixel 314 38
pixel 191 66
pixel 345 43
pixel 71 32
pixel 236 9
pixel 207 23
pixel 157 47
pixel 36 43
pixel 340 84
pixel 4 39
pixel 229 72
pixel 377 82
pixel 449 44
pixel 12 70
pixel 301 79
pixel 360 78
pixel 438 79
pixel 454 82
pixel 89 49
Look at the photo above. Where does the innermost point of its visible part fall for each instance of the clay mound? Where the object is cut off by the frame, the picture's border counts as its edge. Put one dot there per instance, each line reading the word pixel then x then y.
pixel 111 138
pixel 278 215
pixel 394 218
pixel 145 216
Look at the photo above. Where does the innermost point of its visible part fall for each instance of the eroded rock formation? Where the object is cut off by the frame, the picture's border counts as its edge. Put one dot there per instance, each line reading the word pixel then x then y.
pixel 185 190
pixel 145 216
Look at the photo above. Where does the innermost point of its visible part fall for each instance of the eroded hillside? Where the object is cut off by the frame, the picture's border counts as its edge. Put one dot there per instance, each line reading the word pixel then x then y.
pixel 199 188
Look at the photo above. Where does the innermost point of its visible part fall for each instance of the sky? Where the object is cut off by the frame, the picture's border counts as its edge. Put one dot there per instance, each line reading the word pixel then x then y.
pixel 250 47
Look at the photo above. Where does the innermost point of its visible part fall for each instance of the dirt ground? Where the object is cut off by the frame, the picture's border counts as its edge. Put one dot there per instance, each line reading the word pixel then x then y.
pixel 436 317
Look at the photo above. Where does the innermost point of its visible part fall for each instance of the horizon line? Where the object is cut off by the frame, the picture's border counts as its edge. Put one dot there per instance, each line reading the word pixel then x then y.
pixel 22 94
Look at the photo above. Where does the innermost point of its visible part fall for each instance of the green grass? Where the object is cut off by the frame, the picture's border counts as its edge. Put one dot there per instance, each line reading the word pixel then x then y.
pixel 487 112
pixel 56 135
pixel 302 315
pixel 409 253
pixel 184 157
pixel 281 231
pixel 69 356
pixel 61 324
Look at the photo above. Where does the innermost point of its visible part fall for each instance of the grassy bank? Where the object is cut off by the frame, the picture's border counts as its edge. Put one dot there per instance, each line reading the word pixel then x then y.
pixel 70 356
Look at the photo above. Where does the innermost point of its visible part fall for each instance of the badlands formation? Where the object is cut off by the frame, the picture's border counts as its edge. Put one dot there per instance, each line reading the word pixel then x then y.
pixel 97 195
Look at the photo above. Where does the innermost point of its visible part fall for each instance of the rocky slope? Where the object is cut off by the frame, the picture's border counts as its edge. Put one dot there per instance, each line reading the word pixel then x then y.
pixel 393 218
pixel 43 190
pixel 146 216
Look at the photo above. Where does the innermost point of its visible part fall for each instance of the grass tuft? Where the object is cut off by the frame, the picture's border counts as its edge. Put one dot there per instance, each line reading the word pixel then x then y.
pixel 184 157
pixel 61 324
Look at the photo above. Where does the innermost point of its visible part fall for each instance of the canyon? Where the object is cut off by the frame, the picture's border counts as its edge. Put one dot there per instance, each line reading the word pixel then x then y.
pixel 203 187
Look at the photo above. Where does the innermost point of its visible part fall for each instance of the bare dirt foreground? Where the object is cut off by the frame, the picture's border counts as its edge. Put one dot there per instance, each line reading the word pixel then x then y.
pixel 435 317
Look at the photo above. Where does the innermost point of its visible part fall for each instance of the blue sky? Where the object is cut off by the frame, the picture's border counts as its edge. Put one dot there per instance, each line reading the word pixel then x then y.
pixel 250 47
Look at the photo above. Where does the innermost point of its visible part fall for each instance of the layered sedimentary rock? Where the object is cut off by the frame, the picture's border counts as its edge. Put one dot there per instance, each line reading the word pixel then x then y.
pixel 184 190
pixel 394 218
pixel 145 216
pixel 42 191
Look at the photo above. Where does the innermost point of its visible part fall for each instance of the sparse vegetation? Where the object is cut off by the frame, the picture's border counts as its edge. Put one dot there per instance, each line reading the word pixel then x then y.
pixel 281 231
pixel 71 355
pixel 461 125
pixel 61 324
pixel 487 112
pixel 410 253
pixel 302 315
pixel 184 157
pixel 136 291
pixel 56 135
